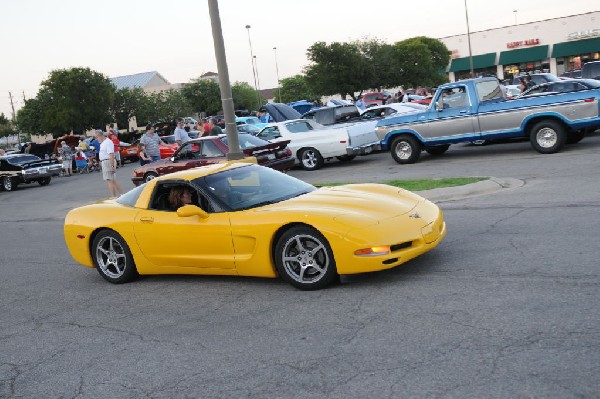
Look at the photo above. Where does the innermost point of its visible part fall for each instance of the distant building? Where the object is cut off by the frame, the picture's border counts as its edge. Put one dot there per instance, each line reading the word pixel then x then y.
pixel 212 76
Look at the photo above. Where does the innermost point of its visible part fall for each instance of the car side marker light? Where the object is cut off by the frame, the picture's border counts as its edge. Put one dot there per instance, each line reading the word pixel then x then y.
pixel 373 251
pixel 80 236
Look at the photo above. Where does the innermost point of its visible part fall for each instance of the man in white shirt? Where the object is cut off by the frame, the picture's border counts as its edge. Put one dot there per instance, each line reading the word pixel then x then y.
pixel 181 136
pixel 108 163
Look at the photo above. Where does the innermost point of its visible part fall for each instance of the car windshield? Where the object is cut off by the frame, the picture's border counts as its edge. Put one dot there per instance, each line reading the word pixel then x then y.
pixel 253 121
pixel 252 186
pixel 21 159
pixel 247 141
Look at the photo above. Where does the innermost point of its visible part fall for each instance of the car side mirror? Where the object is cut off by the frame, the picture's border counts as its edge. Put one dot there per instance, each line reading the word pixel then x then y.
pixel 172 159
pixel 187 211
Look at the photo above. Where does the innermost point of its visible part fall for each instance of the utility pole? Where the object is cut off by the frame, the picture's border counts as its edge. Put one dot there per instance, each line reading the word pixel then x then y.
pixel 24 99
pixel 14 117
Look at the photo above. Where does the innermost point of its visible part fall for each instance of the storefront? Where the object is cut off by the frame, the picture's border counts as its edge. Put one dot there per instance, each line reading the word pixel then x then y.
pixel 544 46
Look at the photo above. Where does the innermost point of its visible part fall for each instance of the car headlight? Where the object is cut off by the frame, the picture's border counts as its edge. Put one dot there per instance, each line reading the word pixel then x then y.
pixel 29 171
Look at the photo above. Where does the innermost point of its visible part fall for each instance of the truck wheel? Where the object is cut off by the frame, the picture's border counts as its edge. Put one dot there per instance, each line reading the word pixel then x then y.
pixel 311 159
pixel 438 149
pixel 406 149
pixel 548 137
pixel 575 137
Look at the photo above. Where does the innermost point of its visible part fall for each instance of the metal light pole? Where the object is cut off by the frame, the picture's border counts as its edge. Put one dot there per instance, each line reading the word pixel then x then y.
pixel 515 12
pixel 471 74
pixel 226 97
pixel 252 59
pixel 277 71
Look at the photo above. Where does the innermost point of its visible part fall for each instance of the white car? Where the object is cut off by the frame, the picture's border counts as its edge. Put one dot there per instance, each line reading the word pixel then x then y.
pixel 313 143
pixel 382 111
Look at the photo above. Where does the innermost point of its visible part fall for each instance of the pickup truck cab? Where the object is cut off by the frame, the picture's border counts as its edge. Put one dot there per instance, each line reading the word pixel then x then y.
pixel 475 109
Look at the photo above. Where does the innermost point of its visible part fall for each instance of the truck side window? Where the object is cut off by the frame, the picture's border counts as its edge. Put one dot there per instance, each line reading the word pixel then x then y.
pixel 488 90
pixel 455 97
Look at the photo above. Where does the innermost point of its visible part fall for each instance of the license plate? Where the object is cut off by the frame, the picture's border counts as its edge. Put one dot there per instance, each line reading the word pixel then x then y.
pixel 43 170
pixel 270 156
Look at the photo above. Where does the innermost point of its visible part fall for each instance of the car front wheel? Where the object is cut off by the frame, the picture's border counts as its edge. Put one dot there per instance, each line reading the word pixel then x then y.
pixel 44 181
pixel 112 257
pixel 304 259
pixel 150 176
pixel 311 159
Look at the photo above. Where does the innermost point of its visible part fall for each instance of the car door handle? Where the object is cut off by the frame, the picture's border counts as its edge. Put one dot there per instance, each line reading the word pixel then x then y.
pixel 147 220
pixel 464 111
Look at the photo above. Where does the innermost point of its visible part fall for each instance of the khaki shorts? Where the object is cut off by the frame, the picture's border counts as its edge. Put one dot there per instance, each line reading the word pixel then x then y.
pixel 107 173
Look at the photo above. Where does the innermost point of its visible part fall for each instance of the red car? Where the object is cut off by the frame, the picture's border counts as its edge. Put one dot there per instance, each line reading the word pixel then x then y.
pixel 129 152
pixel 375 98
pixel 213 149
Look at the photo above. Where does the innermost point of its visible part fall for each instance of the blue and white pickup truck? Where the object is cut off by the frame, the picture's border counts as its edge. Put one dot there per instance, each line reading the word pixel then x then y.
pixel 475 109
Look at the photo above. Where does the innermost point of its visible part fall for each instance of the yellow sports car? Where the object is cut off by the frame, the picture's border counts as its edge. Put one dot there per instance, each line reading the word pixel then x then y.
pixel 247 220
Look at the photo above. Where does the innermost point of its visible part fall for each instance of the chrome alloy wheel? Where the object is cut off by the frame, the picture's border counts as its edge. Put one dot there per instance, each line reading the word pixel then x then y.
pixel 546 137
pixel 305 258
pixel 310 159
pixel 111 257
pixel 403 150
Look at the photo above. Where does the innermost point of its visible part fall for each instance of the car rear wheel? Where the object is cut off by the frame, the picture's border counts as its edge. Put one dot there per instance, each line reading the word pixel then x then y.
pixel 44 181
pixel 438 150
pixel 150 176
pixel 8 183
pixel 112 257
pixel 304 259
pixel 548 137
pixel 406 149
pixel 311 159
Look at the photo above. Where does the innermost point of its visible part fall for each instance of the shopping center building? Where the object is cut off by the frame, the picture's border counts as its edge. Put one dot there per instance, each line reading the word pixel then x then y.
pixel 555 45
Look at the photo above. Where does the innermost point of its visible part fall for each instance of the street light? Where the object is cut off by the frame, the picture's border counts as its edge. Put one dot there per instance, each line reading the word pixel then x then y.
pixel 252 59
pixel 472 75
pixel 277 71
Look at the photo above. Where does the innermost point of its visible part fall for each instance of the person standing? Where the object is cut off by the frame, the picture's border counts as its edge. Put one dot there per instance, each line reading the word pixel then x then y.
pixel 181 136
pixel 206 127
pixel 108 163
pixel 152 142
pixel 360 104
pixel 144 158
pixel 112 135
pixel 215 130
pixel 67 158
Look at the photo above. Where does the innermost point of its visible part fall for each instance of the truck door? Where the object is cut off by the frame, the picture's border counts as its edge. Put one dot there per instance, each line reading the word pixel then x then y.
pixel 451 114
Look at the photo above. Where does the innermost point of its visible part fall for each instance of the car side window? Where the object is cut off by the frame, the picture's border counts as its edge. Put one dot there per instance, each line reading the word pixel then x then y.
pixel 310 115
pixel 210 150
pixel 269 133
pixel 160 200
pixel 299 127
pixel 455 97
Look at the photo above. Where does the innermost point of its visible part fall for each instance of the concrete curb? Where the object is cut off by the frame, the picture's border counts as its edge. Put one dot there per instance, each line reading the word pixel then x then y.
pixel 492 185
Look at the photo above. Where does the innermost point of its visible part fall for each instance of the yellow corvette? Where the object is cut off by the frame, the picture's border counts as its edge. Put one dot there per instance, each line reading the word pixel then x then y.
pixel 247 220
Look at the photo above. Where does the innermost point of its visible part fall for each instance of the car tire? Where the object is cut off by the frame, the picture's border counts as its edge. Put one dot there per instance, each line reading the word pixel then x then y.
pixel 548 137
pixel 304 259
pixel 44 181
pixel 8 183
pixel 311 159
pixel 112 257
pixel 406 149
pixel 437 150
pixel 150 176
pixel 346 158
pixel 575 137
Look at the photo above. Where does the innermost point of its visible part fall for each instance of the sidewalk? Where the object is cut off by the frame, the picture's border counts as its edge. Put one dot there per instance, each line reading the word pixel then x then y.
pixel 493 184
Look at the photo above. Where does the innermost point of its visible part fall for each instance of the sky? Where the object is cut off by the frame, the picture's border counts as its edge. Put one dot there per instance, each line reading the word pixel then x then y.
pixel 174 38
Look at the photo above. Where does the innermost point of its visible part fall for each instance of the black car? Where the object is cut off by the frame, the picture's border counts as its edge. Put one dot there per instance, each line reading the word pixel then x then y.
pixel 537 78
pixel 564 86
pixel 16 169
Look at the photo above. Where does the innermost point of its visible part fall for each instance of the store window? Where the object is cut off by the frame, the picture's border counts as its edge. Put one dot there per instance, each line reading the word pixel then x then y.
pixel 574 62
pixel 540 66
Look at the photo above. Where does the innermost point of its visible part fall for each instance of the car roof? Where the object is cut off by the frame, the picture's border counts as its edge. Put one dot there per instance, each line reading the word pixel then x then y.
pixel 201 171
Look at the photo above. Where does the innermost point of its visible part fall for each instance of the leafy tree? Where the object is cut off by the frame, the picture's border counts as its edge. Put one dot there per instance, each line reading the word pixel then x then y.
pixel 129 103
pixel 167 105
pixel 29 117
pixel 337 68
pixel 419 60
pixel 75 99
pixel 296 88
pixel 203 96
pixel 6 127
pixel 244 96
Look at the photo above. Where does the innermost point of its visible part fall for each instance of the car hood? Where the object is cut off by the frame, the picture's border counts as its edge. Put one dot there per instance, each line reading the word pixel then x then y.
pixel 35 164
pixel 401 119
pixel 355 204
pixel 281 112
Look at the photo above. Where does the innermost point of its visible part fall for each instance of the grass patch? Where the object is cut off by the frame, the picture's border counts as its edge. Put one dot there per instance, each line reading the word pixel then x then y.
pixel 422 184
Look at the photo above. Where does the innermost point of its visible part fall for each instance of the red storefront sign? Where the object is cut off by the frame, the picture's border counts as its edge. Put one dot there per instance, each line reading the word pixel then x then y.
pixel 528 42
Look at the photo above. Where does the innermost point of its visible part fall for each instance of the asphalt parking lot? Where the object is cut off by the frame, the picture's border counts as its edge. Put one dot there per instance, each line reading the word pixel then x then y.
pixel 506 306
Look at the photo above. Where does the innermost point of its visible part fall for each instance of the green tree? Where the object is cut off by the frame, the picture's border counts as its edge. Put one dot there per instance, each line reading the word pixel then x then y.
pixel 203 96
pixel 75 99
pixel 167 105
pixel 129 103
pixel 29 117
pixel 6 126
pixel 337 68
pixel 296 88
pixel 244 96
pixel 418 62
